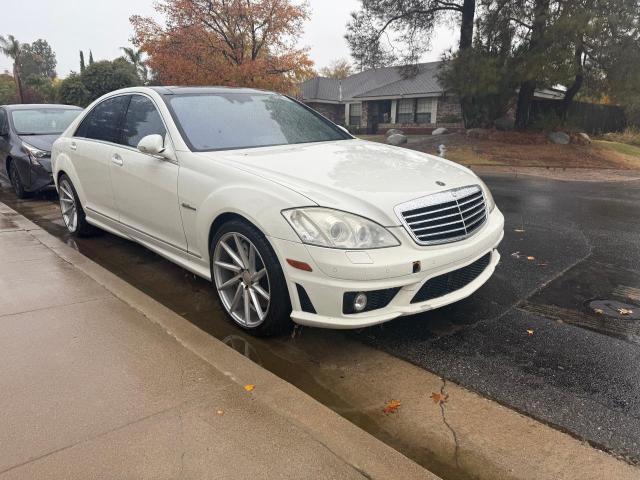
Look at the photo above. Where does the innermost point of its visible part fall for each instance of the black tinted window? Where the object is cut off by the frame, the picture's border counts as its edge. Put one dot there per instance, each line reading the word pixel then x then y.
pixel 103 123
pixel 142 119
pixel 4 126
pixel 245 120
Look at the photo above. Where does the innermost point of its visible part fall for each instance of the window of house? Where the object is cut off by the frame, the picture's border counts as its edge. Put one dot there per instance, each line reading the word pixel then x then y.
pixel 405 111
pixel 423 110
pixel 355 113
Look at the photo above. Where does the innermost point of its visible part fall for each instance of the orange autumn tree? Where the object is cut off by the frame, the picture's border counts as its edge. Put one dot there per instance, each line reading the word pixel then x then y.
pixel 248 43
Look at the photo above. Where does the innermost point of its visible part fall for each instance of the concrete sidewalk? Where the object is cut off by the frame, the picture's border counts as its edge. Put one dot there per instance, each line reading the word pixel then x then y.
pixel 100 381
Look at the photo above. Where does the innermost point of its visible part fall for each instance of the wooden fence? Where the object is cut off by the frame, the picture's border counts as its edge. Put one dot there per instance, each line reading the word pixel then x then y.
pixel 589 117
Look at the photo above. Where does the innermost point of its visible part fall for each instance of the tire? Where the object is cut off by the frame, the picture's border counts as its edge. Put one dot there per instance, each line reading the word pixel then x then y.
pixel 16 182
pixel 240 282
pixel 71 209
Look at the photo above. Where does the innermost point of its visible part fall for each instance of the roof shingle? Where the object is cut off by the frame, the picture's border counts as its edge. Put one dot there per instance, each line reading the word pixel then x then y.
pixel 380 82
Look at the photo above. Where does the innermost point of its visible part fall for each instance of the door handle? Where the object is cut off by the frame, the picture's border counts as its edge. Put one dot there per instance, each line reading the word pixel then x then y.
pixel 117 159
pixel 73 146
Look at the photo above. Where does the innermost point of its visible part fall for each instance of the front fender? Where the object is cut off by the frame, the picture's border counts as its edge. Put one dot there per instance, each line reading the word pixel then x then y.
pixel 259 204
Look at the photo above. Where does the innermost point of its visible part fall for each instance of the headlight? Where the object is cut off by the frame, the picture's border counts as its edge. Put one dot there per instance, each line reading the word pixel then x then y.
pixel 325 227
pixel 491 203
pixel 34 153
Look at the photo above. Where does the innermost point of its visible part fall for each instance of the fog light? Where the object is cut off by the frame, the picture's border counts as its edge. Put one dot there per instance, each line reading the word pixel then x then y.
pixel 360 302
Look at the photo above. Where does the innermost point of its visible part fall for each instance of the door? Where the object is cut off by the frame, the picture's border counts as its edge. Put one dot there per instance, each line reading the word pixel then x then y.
pixel 91 149
pixel 145 186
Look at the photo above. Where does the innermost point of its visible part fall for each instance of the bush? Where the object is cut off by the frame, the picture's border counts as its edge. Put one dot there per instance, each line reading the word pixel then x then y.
pixel 450 119
pixel 8 93
pixel 104 77
pixel 73 92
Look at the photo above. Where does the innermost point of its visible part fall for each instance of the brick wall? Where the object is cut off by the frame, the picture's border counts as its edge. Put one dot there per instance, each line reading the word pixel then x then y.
pixel 332 111
pixel 448 107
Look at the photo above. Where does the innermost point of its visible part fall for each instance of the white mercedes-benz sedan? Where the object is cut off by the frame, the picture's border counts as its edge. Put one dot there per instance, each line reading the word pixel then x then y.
pixel 285 212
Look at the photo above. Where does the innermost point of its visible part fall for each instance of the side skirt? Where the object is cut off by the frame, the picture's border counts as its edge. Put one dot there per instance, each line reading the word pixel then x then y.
pixel 174 254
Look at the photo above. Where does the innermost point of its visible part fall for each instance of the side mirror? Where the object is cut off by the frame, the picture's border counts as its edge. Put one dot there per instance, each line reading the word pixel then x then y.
pixel 4 130
pixel 151 145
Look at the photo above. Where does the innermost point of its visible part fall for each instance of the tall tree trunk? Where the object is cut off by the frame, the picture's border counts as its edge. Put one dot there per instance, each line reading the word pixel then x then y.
pixel 466 24
pixel 577 82
pixel 466 42
pixel 18 80
pixel 536 47
pixel 523 107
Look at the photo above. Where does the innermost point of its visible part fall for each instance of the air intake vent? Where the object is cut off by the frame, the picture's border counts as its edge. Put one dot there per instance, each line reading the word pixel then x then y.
pixel 444 217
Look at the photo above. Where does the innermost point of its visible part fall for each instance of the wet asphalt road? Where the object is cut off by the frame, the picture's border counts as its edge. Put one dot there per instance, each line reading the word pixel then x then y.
pixel 566 245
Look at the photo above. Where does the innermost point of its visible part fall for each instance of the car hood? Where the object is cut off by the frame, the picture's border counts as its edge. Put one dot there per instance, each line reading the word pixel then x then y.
pixel 43 142
pixel 361 177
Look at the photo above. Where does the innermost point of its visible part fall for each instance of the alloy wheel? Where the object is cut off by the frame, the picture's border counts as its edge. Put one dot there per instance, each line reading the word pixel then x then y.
pixel 68 205
pixel 242 280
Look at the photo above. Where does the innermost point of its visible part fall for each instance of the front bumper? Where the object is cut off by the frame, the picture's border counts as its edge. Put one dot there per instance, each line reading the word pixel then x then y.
pixel 336 272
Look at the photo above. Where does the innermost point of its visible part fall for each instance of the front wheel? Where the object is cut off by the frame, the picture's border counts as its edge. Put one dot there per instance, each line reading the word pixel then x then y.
pixel 16 181
pixel 72 211
pixel 249 280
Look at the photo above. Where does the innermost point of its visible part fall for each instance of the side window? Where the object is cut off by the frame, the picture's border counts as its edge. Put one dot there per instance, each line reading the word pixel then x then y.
pixel 4 125
pixel 103 122
pixel 142 119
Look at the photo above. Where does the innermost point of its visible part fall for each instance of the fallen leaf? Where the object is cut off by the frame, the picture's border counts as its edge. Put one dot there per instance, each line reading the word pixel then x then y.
pixel 625 311
pixel 439 398
pixel 530 332
pixel 531 258
pixel 220 412
pixel 599 311
pixel 250 387
pixel 391 407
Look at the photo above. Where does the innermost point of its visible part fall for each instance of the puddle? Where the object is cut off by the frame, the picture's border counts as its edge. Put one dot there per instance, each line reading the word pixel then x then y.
pixel 593 295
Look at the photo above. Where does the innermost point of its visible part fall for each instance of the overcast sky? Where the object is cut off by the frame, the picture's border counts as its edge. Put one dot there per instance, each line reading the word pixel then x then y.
pixel 103 27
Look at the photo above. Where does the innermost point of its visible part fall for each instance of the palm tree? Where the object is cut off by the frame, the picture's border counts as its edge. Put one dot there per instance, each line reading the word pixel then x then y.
pixel 135 57
pixel 12 48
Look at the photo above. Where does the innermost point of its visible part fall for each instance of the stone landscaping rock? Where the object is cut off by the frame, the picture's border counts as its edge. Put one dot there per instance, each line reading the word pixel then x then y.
pixel 559 138
pixel 440 131
pixel 397 139
pixel 480 133
pixel 504 123
pixel 394 131
pixel 581 139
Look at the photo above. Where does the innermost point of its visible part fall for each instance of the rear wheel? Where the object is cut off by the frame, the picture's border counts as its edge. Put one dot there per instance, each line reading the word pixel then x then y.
pixel 249 280
pixel 16 181
pixel 72 212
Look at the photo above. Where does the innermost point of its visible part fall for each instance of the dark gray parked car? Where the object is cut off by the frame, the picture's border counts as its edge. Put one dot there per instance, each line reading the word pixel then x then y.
pixel 27 133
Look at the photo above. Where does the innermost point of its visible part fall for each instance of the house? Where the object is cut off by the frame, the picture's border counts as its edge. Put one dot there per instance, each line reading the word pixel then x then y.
pixel 383 98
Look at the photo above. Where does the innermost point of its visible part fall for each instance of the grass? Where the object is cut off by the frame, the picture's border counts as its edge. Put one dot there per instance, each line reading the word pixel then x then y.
pixel 631 136
pixel 623 148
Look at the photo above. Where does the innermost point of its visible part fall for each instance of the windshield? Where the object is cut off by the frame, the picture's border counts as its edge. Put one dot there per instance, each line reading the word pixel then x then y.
pixel 43 121
pixel 245 120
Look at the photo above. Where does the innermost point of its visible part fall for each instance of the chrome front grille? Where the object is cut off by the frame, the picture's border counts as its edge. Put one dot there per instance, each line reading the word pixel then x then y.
pixel 444 217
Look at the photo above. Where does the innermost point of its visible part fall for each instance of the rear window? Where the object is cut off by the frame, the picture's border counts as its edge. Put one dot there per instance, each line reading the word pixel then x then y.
pixel 246 120
pixel 43 121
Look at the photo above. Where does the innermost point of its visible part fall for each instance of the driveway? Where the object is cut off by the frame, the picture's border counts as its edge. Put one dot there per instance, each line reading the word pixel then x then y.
pixel 529 339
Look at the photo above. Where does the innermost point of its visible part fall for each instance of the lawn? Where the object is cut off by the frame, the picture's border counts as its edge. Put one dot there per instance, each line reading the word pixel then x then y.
pixel 526 150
